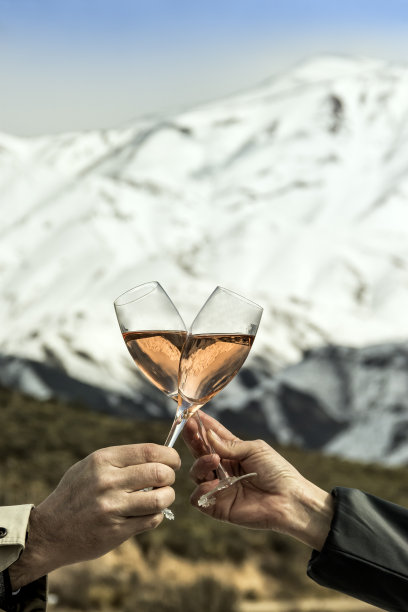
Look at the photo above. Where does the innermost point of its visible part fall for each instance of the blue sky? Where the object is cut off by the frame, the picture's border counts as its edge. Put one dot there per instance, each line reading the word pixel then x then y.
pixel 79 64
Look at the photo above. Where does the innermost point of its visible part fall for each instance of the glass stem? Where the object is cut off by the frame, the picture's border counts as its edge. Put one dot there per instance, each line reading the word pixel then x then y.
pixel 181 418
pixel 221 471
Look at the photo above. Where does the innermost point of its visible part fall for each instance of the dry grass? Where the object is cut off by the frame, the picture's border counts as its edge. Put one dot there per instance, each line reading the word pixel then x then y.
pixel 332 604
pixel 193 559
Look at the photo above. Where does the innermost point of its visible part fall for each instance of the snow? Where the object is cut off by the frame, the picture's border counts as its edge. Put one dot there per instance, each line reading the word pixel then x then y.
pixel 294 194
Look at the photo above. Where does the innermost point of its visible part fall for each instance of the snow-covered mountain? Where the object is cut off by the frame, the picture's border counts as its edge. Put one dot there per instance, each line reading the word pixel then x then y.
pixel 294 194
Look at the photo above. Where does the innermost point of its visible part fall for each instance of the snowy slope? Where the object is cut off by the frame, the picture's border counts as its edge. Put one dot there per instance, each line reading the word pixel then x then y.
pixel 294 193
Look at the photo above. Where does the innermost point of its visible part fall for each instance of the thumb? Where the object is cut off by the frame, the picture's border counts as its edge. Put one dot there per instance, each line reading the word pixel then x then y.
pixel 230 449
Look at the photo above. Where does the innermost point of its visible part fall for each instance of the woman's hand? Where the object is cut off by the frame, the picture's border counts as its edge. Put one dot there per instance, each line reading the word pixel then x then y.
pixel 278 498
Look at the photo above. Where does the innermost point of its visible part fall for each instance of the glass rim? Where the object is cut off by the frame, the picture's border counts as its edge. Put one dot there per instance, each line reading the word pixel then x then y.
pixel 238 295
pixel 149 287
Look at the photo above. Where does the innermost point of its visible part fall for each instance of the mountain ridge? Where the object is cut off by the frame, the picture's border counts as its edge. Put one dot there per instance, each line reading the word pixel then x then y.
pixel 293 193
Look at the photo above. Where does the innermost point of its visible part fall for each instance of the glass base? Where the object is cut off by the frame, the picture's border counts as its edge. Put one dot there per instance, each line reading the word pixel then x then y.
pixel 168 514
pixel 207 500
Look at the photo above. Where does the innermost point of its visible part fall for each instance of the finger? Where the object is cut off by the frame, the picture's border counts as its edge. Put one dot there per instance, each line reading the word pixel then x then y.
pixel 211 423
pixel 136 477
pixel 134 525
pixel 135 454
pixel 193 438
pixel 203 469
pixel 233 449
pixel 142 503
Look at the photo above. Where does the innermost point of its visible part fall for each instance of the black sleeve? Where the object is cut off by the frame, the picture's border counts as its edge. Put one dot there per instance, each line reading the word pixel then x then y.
pixel 30 598
pixel 365 554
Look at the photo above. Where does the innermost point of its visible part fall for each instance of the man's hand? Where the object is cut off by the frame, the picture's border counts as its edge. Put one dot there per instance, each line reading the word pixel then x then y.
pixel 278 498
pixel 98 504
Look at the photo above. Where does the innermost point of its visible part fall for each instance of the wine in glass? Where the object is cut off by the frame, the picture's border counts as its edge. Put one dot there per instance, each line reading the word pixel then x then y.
pixel 216 347
pixel 154 334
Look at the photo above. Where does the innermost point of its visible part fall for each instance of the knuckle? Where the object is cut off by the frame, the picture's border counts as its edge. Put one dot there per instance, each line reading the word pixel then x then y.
pixel 96 458
pixel 163 498
pixel 103 507
pixel 163 474
pixel 150 452
pixel 234 444
pixel 159 502
pixel 99 483
pixel 260 445
pixel 104 481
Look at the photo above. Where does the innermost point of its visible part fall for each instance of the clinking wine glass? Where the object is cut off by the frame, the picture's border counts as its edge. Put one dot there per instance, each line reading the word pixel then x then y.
pixel 154 334
pixel 204 361
pixel 216 347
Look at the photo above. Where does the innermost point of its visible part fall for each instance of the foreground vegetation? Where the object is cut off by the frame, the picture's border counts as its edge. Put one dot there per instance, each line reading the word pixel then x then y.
pixel 192 563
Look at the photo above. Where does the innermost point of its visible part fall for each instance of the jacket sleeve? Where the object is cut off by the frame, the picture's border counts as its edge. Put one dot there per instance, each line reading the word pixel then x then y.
pixel 365 554
pixel 13 532
pixel 31 598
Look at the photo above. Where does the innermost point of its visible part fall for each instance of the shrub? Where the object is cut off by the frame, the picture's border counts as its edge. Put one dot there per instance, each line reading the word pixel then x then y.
pixel 203 595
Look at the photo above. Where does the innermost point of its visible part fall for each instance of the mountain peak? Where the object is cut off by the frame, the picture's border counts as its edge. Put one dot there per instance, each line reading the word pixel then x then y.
pixel 293 194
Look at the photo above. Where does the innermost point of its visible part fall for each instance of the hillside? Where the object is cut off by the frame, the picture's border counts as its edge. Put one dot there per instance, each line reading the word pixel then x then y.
pixel 41 440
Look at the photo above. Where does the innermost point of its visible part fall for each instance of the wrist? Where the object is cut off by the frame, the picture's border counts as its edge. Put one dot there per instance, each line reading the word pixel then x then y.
pixel 34 561
pixel 310 515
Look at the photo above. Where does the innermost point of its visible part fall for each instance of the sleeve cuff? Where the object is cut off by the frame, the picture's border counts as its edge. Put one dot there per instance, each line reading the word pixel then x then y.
pixel 13 532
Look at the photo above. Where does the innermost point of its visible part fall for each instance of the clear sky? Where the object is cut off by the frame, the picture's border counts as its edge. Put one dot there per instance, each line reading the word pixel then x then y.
pixel 80 64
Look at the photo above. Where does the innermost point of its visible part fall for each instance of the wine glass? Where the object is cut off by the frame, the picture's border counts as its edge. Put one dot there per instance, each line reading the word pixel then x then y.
pixel 154 334
pixel 191 368
pixel 216 347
